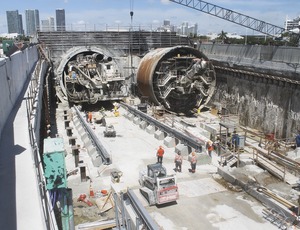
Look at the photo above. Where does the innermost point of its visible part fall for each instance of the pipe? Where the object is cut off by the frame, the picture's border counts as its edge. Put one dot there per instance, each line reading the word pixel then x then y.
pixel 274 196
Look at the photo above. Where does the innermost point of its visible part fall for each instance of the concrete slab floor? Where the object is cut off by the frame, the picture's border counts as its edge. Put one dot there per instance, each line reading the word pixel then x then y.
pixel 204 202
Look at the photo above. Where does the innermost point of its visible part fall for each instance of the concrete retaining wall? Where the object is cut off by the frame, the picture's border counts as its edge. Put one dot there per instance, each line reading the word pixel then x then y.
pixel 277 58
pixel 263 106
pixel 14 72
pixel 266 105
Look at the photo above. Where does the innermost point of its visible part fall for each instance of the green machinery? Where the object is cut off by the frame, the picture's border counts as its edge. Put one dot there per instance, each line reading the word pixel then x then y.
pixel 56 182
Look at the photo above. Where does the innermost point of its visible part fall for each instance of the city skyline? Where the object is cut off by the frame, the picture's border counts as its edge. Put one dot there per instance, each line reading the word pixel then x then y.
pixel 151 13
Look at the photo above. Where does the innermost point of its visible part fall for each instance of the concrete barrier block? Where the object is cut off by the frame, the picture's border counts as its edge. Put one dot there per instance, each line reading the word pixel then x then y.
pixel 96 159
pixel 91 149
pixel 130 117
pixel 150 129
pixel 81 131
pixel 143 125
pixel 183 149
pixel 169 142
pixel 126 115
pixel 76 122
pixel 136 120
pixel 85 138
pixel 202 158
pixel 159 135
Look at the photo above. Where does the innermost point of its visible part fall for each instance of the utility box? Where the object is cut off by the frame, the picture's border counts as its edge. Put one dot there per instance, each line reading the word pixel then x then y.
pixel 54 163
pixel 241 141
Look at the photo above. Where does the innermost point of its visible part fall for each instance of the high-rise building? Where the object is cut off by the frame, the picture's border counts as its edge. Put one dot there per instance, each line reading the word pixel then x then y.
pixel 291 24
pixel 184 28
pixel 21 24
pixel 167 22
pixel 47 24
pixel 60 20
pixel 52 24
pixel 32 21
pixel 37 19
pixel 14 22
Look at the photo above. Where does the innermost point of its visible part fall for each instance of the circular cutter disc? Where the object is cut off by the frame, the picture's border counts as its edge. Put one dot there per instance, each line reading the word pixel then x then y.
pixel 180 78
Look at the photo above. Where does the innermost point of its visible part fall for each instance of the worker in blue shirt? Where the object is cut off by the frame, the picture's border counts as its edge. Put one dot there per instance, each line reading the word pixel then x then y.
pixel 297 150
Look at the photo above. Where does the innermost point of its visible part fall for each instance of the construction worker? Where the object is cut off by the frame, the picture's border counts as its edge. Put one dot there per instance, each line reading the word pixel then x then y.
pixel 90 116
pixel 297 140
pixel 217 146
pixel 193 162
pixel 235 140
pixel 178 161
pixel 160 154
pixel 209 147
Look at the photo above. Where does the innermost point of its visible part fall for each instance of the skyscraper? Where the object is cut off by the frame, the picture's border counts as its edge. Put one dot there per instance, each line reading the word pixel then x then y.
pixel 45 25
pixel 14 22
pixel 60 20
pixel 52 24
pixel 21 24
pixel 32 21
pixel 48 24
pixel 37 19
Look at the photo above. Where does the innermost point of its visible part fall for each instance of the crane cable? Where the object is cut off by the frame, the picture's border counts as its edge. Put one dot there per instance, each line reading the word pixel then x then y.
pixel 131 10
pixel 130 43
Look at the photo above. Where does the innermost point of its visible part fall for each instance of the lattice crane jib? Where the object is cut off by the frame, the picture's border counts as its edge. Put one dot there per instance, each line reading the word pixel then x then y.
pixel 235 17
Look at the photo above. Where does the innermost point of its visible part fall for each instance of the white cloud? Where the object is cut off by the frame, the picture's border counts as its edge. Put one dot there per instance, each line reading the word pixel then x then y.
pixel 165 2
pixel 81 22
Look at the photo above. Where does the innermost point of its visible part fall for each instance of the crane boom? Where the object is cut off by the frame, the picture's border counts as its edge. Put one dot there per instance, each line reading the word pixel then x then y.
pixel 232 16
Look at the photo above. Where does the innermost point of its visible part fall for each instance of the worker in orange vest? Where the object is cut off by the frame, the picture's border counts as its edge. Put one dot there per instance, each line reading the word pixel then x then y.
pixel 178 161
pixel 90 116
pixel 160 154
pixel 209 147
pixel 193 162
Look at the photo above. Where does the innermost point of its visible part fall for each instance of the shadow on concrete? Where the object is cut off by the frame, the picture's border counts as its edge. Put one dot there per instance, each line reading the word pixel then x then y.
pixel 8 152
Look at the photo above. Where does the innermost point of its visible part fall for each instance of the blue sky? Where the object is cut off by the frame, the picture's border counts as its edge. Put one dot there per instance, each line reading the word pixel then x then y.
pixel 151 13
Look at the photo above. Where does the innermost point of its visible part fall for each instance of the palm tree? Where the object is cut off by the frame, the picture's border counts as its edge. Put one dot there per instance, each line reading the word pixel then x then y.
pixel 223 36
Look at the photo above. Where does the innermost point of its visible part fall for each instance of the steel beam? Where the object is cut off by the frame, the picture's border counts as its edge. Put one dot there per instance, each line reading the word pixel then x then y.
pixel 185 139
pixel 99 147
pixel 141 211
pixel 232 16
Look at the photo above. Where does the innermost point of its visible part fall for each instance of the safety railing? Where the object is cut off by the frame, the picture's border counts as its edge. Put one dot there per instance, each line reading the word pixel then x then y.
pixel 32 113
pixel 268 165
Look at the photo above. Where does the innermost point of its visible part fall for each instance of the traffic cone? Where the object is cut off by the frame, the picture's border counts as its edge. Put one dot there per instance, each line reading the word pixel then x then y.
pixel 92 194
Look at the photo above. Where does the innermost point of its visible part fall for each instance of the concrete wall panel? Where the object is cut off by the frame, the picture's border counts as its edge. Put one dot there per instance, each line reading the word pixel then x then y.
pixel 268 105
pixel 265 57
pixel 14 72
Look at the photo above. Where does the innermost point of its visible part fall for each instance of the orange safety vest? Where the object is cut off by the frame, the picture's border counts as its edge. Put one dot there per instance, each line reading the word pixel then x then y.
pixel 178 158
pixel 90 115
pixel 160 152
pixel 194 160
